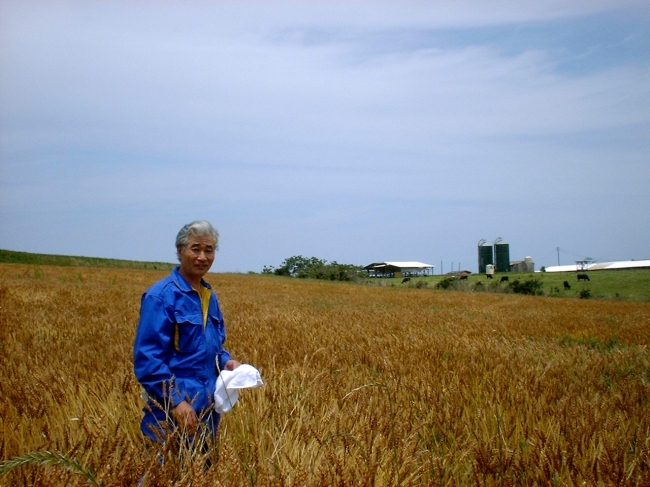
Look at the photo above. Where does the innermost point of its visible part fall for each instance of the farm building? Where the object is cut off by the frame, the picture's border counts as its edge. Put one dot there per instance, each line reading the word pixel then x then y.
pixel 599 266
pixel 399 269
pixel 526 265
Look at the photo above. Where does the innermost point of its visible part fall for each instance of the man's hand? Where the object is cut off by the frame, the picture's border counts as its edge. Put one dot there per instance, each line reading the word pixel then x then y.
pixel 231 365
pixel 186 418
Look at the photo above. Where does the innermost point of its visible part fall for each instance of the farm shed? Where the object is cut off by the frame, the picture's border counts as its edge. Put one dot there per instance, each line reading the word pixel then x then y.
pixel 525 265
pixel 399 269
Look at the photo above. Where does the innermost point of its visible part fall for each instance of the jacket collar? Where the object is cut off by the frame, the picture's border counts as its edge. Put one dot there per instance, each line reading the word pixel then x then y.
pixel 182 283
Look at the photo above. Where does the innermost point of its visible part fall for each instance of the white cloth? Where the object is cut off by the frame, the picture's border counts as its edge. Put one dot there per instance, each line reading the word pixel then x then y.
pixel 230 381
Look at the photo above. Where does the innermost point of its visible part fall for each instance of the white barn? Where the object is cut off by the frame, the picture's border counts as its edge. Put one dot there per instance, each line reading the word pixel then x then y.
pixel 600 266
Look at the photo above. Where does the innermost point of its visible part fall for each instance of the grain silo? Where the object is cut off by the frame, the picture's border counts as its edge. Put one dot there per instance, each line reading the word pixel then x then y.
pixel 485 255
pixel 501 255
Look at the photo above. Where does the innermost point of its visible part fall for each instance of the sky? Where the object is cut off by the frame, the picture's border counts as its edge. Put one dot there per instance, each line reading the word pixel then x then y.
pixel 351 131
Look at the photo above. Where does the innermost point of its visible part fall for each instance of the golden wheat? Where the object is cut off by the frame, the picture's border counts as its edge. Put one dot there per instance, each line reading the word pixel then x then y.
pixel 364 386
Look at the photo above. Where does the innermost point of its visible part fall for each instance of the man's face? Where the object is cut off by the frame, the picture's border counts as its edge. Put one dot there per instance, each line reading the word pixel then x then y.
pixel 197 256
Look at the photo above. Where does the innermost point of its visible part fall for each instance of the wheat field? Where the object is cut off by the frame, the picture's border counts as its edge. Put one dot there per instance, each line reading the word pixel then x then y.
pixel 364 386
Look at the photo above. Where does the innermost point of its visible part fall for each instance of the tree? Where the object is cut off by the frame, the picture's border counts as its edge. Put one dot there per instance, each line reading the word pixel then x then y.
pixel 299 266
pixel 312 267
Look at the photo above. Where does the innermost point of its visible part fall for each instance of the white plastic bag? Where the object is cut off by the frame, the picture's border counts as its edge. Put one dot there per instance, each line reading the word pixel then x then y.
pixel 230 381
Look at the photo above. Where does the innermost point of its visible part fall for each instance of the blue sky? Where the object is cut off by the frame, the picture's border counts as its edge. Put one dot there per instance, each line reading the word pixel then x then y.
pixel 350 131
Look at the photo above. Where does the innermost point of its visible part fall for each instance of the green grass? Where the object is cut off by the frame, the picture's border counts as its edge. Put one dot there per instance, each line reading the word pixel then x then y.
pixel 13 257
pixel 626 284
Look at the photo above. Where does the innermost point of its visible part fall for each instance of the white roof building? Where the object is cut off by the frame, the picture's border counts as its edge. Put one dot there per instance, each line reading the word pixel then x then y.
pixel 600 266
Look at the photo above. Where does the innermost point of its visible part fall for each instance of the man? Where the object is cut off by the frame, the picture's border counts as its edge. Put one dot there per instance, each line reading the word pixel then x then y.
pixel 178 350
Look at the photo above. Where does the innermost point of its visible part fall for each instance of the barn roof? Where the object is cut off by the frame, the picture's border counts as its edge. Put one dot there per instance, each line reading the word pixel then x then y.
pixel 401 265
pixel 599 266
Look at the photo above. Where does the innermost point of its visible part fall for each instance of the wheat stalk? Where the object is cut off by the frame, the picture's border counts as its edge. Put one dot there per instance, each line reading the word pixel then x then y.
pixel 45 458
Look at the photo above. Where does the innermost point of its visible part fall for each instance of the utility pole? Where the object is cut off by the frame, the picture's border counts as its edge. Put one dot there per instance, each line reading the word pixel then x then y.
pixel 558 256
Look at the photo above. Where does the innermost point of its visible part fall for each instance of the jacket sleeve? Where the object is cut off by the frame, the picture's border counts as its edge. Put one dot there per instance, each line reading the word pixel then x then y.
pixel 152 350
pixel 224 356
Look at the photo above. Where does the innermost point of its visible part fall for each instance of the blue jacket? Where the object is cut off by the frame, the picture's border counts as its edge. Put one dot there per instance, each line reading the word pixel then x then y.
pixel 171 343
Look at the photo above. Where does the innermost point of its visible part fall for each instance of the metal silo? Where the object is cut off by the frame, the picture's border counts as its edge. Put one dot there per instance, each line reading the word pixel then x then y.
pixel 485 256
pixel 502 255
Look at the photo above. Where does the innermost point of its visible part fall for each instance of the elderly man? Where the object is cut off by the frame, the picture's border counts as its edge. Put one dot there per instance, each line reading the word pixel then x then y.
pixel 178 350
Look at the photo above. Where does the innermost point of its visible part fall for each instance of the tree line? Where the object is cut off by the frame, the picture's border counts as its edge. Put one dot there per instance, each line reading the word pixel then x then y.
pixel 314 268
